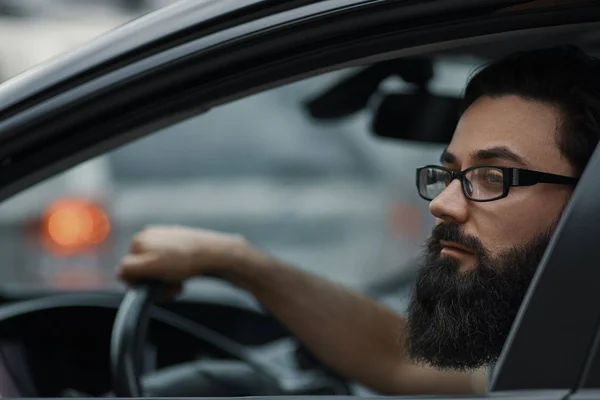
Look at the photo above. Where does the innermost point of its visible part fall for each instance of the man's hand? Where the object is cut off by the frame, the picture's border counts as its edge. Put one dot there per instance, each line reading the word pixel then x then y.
pixel 346 330
pixel 173 254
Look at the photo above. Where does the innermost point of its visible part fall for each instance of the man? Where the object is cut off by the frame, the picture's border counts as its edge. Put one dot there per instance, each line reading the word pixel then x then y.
pixel 530 124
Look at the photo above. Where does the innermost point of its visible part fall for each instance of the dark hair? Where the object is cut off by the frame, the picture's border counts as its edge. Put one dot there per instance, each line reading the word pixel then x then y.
pixel 564 77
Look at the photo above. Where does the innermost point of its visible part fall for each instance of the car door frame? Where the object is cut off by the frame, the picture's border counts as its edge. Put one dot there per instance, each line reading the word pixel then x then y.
pixel 192 77
pixel 88 114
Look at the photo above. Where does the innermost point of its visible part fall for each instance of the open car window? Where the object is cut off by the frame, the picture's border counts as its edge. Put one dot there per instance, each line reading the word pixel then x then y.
pixel 266 136
pixel 325 194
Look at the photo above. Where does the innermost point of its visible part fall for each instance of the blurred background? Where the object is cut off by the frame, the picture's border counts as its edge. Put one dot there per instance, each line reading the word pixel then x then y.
pixel 301 180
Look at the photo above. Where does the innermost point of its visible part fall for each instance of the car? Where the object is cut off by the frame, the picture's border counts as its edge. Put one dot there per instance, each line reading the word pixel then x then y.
pixel 187 59
pixel 33 32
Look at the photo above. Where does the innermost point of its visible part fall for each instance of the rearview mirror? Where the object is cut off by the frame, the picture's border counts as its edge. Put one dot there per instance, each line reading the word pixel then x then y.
pixel 420 116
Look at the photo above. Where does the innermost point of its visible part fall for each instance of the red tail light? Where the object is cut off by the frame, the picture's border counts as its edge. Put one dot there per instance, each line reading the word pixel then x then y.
pixel 71 226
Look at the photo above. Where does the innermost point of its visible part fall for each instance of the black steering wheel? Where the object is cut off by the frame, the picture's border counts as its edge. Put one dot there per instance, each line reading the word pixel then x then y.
pixel 129 336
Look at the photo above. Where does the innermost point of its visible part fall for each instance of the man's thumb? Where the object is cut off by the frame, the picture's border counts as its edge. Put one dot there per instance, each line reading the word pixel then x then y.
pixel 134 267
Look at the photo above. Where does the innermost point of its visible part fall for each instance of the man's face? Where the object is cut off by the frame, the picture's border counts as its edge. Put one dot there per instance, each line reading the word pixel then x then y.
pixel 481 256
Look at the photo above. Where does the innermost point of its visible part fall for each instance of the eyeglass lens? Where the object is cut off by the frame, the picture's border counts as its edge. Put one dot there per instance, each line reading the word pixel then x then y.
pixel 482 183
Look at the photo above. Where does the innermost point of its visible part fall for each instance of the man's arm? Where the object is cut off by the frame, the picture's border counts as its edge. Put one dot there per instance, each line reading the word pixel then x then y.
pixel 351 333
pixel 355 335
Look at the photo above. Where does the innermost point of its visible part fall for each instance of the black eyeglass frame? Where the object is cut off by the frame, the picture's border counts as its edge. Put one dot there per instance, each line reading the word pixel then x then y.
pixel 510 176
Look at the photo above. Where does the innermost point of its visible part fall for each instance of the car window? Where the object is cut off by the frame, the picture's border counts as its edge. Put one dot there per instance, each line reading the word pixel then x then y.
pixel 241 141
pixel 325 194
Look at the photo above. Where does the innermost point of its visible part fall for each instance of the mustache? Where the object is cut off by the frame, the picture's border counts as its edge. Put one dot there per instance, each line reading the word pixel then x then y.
pixel 452 232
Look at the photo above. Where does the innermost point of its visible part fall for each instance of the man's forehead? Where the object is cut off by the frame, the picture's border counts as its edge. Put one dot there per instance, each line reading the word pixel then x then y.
pixel 509 128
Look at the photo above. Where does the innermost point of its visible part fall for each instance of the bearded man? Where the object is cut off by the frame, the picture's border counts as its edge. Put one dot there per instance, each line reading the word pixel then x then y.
pixel 531 121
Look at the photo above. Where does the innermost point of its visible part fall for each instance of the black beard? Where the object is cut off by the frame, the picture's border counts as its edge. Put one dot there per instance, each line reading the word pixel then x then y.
pixel 459 320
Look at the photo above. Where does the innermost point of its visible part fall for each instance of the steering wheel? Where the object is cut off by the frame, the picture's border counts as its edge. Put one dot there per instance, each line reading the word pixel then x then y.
pixel 129 335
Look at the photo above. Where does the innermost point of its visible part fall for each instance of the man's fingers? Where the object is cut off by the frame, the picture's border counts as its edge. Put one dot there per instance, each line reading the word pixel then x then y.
pixel 138 267
pixel 137 244
pixel 135 267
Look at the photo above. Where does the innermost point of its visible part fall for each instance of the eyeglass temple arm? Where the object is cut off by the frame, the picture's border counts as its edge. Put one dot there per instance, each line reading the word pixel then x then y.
pixel 521 177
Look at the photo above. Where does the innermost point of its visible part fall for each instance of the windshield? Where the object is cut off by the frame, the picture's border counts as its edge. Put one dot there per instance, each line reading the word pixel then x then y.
pixel 267 136
pixel 323 193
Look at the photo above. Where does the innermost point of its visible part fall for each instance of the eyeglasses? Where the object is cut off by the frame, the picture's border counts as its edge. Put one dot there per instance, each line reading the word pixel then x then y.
pixel 482 183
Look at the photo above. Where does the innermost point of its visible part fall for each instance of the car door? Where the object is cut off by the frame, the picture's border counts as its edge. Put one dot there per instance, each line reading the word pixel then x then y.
pixel 193 56
pixel 554 340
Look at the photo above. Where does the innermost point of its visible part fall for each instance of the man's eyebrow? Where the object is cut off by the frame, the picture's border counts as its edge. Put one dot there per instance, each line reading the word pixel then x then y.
pixel 500 152
pixel 447 158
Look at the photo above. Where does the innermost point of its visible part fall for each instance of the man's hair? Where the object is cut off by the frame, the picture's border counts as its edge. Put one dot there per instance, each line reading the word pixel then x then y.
pixel 564 77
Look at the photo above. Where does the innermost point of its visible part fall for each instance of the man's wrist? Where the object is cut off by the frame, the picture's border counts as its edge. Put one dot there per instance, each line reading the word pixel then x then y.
pixel 239 256
pixel 235 261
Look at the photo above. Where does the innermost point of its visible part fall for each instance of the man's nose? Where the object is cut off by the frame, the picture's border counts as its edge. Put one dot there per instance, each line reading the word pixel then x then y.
pixel 451 204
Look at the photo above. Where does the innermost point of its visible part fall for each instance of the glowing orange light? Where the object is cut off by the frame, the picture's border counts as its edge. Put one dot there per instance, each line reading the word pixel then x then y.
pixel 72 225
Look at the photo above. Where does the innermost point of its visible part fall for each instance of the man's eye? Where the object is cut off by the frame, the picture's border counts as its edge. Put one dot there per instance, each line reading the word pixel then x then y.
pixel 492 177
pixel 435 176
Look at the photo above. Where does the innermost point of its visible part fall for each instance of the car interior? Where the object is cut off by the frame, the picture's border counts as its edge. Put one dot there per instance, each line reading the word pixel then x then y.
pixel 109 343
